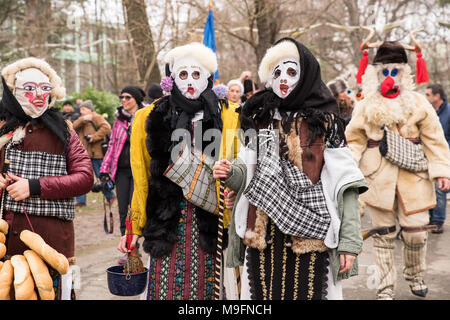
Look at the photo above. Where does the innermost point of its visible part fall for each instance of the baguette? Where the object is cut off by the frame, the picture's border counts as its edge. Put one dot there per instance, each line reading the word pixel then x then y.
pixel 55 259
pixel 23 282
pixel 2 237
pixel 6 280
pixel 2 250
pixel 41 275
pixel 4 226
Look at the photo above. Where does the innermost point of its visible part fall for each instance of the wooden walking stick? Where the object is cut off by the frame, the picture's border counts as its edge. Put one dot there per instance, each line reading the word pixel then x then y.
pixel 219 251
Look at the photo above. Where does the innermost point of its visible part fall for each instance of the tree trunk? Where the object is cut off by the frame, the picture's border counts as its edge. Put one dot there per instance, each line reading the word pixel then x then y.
pixel 268 22
pixel 141 41
pixel 37 27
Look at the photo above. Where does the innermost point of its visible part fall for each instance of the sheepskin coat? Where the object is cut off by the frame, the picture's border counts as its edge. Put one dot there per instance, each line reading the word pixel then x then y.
pixel 414 117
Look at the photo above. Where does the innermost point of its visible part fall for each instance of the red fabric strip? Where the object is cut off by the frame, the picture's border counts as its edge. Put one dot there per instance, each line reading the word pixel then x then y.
pixel 171 279
pixel 158 278
pixel 187 248
pixel 201 285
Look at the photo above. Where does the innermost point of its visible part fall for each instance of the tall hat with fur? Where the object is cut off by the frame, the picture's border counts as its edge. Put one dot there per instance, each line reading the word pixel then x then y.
pixel 204 55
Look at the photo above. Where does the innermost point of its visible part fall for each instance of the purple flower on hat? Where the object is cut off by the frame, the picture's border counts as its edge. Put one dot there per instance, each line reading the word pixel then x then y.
pixel 166 84
pixel 220 90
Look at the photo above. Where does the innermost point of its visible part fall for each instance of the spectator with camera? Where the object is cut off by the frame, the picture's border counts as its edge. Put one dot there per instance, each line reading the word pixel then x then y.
pixel 92 129
pixel 116 163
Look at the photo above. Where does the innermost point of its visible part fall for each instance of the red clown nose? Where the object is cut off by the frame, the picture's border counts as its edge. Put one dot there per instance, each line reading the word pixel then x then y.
pixel 389 89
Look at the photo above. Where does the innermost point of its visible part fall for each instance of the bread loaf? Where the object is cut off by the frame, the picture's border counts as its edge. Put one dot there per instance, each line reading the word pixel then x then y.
pixel 4 226
pixel 1 265
pixel 2 237
pixel 6 280
pixel 2 250
pixel 41 275
pixel 23 282
pixel 55 259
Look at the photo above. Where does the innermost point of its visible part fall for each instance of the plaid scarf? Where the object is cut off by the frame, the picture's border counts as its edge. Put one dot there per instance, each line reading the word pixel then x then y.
pixel 286 194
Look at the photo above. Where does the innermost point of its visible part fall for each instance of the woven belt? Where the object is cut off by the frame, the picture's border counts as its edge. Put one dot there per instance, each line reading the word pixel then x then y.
pixel 375 143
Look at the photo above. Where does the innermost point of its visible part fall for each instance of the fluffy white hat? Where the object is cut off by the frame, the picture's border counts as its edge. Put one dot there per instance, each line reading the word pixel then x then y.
pixel 204 55
pixel 282 50
pixel 9 73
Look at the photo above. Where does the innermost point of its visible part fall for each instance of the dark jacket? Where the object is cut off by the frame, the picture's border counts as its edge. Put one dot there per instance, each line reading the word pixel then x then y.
pixel 444 117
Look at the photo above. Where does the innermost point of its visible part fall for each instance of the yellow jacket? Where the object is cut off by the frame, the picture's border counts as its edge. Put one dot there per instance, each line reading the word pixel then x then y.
pixel 140 159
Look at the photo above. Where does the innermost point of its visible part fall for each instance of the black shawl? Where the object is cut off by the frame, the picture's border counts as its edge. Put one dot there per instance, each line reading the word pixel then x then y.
pixel 310 99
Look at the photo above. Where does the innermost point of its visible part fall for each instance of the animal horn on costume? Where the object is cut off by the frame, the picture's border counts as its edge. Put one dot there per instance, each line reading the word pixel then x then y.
pixel 365 44
pixel 421 67
pixel 365 59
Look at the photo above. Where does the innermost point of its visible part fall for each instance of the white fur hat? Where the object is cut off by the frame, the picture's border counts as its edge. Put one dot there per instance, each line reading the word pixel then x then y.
pixel 284 49
pixel 204 55
pixel 9 73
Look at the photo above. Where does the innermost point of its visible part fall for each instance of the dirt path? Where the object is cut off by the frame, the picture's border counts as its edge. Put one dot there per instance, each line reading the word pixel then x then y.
pixel 96 250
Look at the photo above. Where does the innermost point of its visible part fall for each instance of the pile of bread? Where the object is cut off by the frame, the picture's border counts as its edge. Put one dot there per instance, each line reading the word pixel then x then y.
pixel 23 274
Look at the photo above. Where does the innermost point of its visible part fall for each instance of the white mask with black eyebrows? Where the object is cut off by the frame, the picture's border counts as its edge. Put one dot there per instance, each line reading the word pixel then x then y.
pixel 190 78
pixel 285 76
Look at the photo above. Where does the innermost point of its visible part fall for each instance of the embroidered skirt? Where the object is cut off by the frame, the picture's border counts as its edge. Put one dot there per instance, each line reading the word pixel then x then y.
pixel 188 273
pixel 277 273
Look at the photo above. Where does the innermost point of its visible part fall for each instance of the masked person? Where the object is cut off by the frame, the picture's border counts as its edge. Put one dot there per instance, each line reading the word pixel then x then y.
pixel 344 97
pixel 48 164
pixel 296 207
pixel 399 191
pixel 180 237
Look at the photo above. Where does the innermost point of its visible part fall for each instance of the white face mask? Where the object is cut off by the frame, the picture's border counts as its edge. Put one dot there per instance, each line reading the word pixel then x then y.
pixel 190 78
pixel 32 91
pixel 285 77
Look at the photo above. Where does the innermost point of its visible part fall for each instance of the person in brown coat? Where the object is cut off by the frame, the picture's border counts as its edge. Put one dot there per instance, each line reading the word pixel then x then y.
pixel 397 193
pixel 93 129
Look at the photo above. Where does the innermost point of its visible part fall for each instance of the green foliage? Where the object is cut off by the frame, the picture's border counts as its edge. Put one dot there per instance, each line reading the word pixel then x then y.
pixel 105 102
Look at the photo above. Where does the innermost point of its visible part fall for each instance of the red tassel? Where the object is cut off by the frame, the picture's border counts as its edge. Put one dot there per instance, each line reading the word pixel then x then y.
pixel 421 69
pixel 362 66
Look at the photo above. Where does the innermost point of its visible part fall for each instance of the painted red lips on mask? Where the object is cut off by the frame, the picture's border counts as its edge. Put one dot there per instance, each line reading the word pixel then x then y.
pixel 191 90
pixel 389 89
pixel 284 88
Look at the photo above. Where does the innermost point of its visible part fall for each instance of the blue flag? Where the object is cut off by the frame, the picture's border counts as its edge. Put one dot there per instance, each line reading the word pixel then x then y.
pixel 209 39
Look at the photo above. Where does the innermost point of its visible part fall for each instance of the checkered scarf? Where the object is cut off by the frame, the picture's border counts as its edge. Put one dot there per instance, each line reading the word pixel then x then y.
pixel 286 194
pixel 33 165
